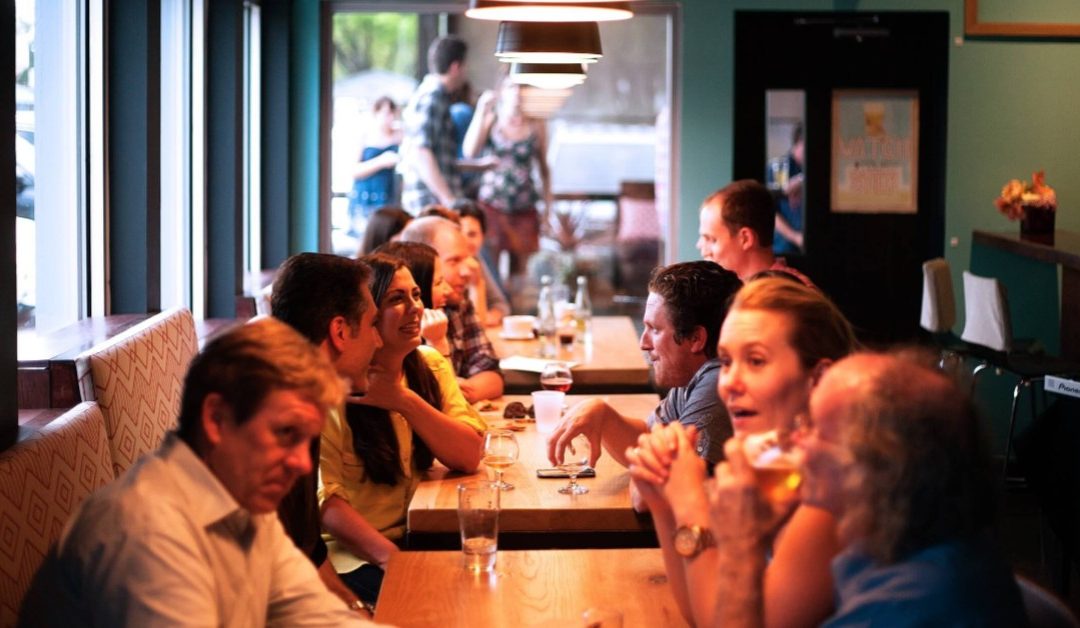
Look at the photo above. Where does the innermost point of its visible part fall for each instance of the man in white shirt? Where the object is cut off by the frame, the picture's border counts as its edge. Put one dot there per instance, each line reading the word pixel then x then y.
pixel 190 536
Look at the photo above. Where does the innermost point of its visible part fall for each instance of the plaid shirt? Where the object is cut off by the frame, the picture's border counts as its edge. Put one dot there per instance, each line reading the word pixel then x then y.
pixel 470 350
pixel 428 125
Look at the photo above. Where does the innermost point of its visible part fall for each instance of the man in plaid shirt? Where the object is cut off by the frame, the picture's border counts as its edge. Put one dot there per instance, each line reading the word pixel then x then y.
pixel 429 149
pixel 471 353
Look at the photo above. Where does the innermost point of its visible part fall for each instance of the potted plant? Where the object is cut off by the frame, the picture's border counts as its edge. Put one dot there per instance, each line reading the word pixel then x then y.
pixel 1034 204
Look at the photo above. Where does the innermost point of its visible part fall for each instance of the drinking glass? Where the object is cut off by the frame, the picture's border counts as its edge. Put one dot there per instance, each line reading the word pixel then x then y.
pixel 500 451
pixel 556 376
pixel 478 520
pixel 775 465
pixel 575 459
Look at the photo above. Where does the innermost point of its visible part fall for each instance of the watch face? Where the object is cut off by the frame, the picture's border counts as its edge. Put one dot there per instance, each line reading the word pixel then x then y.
pixel 686 541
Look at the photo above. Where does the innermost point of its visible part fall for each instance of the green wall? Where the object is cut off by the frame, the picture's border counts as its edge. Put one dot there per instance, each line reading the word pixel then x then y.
pixel 1012 110
pixel 1012 105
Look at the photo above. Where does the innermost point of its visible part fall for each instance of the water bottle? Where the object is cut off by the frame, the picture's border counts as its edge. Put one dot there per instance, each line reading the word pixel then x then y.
pixel 583 309
pixel 545 319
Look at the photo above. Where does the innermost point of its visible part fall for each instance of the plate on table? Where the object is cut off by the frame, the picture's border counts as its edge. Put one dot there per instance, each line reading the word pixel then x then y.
pixel 505 335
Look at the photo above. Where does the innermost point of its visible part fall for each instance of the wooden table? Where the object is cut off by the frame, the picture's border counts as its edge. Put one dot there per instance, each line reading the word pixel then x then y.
pixel 527 588
pixel 535 505
pixel 1064 251
pixel 612 362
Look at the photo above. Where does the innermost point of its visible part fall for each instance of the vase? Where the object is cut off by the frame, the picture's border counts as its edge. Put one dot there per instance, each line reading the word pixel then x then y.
pixel 1037 225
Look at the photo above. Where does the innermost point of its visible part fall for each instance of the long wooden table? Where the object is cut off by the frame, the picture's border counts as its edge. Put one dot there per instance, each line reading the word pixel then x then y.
pixel 527 588
pixel 611 361
pixel 535 505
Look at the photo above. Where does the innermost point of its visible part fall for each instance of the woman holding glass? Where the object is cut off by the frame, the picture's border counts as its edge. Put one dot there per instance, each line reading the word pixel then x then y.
pixel 372 454
pixel 777 340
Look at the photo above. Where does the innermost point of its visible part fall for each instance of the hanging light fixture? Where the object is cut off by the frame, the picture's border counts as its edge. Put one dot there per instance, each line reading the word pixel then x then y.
pixel 548 42
pixel 548 75
pixel 549 10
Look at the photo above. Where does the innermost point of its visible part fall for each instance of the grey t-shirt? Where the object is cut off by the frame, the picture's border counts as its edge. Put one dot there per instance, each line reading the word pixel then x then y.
pixel 698 404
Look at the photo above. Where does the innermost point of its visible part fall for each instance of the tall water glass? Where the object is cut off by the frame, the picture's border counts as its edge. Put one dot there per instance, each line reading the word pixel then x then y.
pixel 478 520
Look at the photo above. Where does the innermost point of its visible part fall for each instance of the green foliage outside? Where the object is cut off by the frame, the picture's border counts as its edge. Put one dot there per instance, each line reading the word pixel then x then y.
pixel 385 41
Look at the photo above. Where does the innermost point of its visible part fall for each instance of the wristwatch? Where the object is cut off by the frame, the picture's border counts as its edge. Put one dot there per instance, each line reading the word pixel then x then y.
pixel 692 540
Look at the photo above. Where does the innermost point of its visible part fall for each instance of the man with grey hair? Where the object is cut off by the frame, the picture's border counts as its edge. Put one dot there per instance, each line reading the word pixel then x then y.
pixel 896 453
pixel 471 353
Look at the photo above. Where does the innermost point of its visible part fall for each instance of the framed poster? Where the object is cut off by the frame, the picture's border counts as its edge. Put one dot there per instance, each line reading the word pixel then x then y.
pixel 875 151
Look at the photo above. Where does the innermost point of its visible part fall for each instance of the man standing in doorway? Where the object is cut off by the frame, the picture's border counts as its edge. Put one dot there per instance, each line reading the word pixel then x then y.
pixel 736 230
pixel 430 146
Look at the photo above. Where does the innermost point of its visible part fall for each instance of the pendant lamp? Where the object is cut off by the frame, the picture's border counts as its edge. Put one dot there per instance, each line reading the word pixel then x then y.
pixel 548 75
pixel 549 10
pixel 548 42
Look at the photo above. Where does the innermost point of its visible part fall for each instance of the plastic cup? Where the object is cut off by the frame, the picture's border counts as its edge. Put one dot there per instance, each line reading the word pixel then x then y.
pixel 547 405
pixel 478 521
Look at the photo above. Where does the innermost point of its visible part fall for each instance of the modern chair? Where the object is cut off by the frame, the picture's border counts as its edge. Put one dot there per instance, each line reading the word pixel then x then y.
pixel 988 330
pixel 1044 609
pixel 939 311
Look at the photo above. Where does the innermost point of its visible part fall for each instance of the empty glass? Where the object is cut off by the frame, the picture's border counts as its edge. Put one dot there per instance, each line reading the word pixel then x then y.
pixel 575 459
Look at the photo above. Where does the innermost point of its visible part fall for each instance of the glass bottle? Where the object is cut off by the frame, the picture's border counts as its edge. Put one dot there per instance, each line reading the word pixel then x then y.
pixel 583 309
pixel 546 325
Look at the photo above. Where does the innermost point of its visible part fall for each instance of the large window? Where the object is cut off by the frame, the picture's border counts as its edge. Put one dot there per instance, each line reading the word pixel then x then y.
pixel 50 150
pixel 610 147
pixel 176 192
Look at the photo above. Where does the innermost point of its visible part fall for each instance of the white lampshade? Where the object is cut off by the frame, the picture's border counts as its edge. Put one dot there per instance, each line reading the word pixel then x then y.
pixel 549 10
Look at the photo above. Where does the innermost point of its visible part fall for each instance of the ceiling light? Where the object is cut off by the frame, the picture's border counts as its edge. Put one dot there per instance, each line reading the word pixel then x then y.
pixel 548 75
pixel 549 10
pixel 548 42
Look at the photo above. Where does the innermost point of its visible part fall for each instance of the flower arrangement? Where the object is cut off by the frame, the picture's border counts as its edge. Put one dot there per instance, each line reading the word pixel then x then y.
pixel 1017 195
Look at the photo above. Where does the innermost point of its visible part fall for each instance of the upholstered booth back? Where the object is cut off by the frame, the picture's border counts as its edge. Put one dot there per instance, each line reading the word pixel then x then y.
pixel 137 378
pixel 43 480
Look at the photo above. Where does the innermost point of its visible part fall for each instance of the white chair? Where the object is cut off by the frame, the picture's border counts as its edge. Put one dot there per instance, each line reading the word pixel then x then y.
pixel 938 302
pixel 939 313
pixel 1044 609
pixel 988 329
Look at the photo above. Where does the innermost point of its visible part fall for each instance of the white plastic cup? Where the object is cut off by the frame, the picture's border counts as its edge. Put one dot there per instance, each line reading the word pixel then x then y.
pixel 547 405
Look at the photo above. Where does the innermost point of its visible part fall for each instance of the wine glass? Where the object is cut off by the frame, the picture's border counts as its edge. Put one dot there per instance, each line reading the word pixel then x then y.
pixel 500 451
pixel 556 376
pixel 575 459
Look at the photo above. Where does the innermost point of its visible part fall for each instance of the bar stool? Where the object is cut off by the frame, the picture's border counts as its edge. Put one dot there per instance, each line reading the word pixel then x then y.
pixel 939 311
pixel 988 329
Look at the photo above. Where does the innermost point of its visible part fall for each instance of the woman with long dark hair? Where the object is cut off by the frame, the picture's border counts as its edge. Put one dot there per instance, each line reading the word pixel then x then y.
pixel 427 269
pixel 372 456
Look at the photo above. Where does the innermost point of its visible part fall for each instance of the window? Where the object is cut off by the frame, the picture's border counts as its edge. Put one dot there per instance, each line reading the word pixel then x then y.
pixel 252 146
pixel 176 111
pixel 50 127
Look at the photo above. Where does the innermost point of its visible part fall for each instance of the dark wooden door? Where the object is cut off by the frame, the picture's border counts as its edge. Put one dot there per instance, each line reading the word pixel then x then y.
pixel 870 264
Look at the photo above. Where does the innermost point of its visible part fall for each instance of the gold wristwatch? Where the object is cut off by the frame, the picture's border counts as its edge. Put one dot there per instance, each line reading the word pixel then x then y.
pixel 692 540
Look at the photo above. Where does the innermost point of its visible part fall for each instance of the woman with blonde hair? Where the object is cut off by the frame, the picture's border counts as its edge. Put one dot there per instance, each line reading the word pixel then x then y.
pixel 779 337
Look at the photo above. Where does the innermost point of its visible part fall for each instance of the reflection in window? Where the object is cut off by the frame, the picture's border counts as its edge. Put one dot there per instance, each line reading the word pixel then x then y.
pixel 785 114
pixel 48 125
pixel 375 56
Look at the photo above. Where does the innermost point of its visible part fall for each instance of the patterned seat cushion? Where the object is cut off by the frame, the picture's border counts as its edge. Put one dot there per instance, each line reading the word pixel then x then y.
pixel 137 378
pixel 44 479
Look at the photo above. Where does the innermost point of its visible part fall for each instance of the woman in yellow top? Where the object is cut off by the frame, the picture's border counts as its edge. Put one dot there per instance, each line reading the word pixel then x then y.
pixel 372 454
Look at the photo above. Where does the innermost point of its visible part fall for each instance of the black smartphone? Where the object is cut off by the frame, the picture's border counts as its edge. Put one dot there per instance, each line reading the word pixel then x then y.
pixel 587 472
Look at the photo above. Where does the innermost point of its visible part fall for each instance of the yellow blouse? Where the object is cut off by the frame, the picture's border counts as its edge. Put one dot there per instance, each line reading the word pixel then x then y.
pixel 341 472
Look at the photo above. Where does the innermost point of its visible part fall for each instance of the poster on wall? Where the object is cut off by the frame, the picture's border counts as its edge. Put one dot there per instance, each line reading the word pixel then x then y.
pixel 875 151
